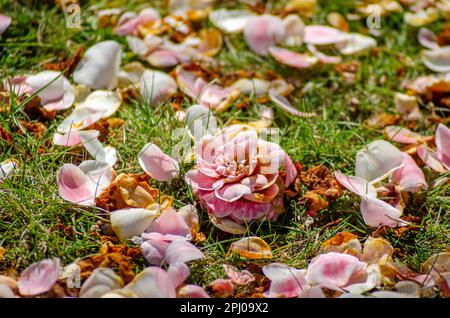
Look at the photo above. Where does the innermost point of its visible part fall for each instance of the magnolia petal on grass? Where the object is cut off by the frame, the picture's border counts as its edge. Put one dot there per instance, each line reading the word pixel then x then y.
pixel 263 32
pixel 100 65
pixel 157 164
pixel 39 277
pixel 377 212
pixel 323 35
pixel 82 184
pixel 228 225
pixel 430 158
pixel 427 39
pixel 252 248
pixel 285 281
pixel 242 278
pixel 129 25
pixel 7 167
pixel 181 251
pixel 293 59
pixel 157 87
pixel 409 177
pixel 285 105
pixel 442 139
pixel 357 185
pixel 230 21
pixel 356 43
pixel 402 135
pixel 5 22
pixel 153 282
pixel 437 60
pixel 102 281
pixel 128 223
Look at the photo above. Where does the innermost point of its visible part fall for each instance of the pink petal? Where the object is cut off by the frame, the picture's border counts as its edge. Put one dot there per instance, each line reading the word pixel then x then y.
pixel 153 282
pixel 286 281
pixel 410 177
pixel 199 180
pixel 442 140
pixel 242 278
pixel 39 277
pixel 169 222
pixel 178 273
pixel 334 270
pixel 427 39
pixel 189 83
pixel 18 85
pixel 5 22
pixel 163 58
pixel 157 164
pixel 263 32
pixel 430 158
pixel 130 26
pixel 232 192
pixel 357 185
pixel 294 59
pixel 72 138
pixel 154 247
pixel 223 288
pixel 181 251
pixel 377 212
pixel 192 291
pixel 402 135
pixel 285 105
pixel 326 59
pixel 322 35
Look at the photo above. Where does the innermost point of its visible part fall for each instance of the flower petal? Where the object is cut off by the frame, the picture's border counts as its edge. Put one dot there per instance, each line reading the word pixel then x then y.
pixel 285 105
pixel 157 87
pixel 409 177
pixel 323 35
pixel 356 43
pixel 357 185
pixel 437 60
pixel 192 291
pixel 291 58
pixel 427 39
pixel 377 212
pixel 127 223
pixel 232 192
pixel 252 247
pixel 263 32
pixel 157 164
pixel 170 222
pixel 285 281
pixel 181 251
pixel 402 135
pixel 39 277
pixel 5 22
pixel 230 21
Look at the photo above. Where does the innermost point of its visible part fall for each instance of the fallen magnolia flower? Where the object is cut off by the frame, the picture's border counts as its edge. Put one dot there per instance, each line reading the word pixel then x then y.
pixel 404 136
pixel 7 168
pixel 5 22
pixel 378 161
pixel 157 164
pixel 82 184
pixel 237 175
pixel 100 65
pixel 438 160
pixel 39 277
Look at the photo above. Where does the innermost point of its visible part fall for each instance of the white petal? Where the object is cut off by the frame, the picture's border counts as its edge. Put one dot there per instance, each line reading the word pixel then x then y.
pixel 230 21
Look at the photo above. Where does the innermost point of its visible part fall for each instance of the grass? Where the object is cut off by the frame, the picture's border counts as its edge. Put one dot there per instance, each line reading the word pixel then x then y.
pixel 32 215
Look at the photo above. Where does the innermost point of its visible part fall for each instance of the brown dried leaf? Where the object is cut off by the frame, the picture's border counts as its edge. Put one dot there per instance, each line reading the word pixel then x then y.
pixel 252 248
pixel 67 65
pixel 343 242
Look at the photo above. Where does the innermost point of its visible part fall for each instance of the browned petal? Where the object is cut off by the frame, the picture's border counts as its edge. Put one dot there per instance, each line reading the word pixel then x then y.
pixel 212 41
pixel 252 248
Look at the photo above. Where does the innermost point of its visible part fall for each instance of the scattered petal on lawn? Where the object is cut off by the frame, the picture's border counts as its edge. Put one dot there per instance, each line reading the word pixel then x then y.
pixel 100 65
pixel 377 161
pixel 286 281
pixel 409 177
pixel 252 86
pixel 157 87
pixel 323 35
pixel 439 262
pixel 243 277
pixel 252 248
pixel 377 212
pixel 323 58
pixel 403 135
pixel 56 92
pixel 82 184
pixel 437 60
pixel 230 21
pixel 343 242
pixel 421 17
pixel 5 22
pixel 157 164
pixel 129 26
pixel 39 277
pixel 98 105
pixel 357 185
pixel 171 222
pixel 228 225
pixel 128 223
pixel 222 288
pixel 408 106
pixel 73 138
pixel 101 282
pixel 442 140
pixel 427 39
pixel 285 105
pixel 376 248
pixel 130 74
pixel 294 59
pixel 200 121
pixel 7 167
pixel 356 43
pixel 181 251
pixel 192 291
pixel 430 158
pixel 263 32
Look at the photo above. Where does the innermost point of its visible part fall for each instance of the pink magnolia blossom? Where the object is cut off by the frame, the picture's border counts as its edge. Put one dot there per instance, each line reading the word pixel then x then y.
pixel 438 160
pixel 237 175
pixel 39 277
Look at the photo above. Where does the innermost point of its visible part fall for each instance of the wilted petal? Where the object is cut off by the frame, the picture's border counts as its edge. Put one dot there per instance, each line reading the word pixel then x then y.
pixel 263 32
pixel 181 251
pixel 356 43
pixel 130 26
pixel 408 106
pixel 323 35
pixel 442 139
pixel 39 277
pixel 285 281
pixel 357 185
pixel 243 277
pixel 230 21
pixel 99 67
pixel 252 248
pixel 377 212
pixel 127 223
pixel 227 225
pixel 427 39
pixel 437 60
pixel 157 164
pixel 326 59
pixel 157 87
pixel 189 83
pixel 430 158
pixel 200 121
pixel 192 291
pixel 402 135
pixel 376 248
pixel 153 282
pixel 102 281
pixel 409 177
pixel 373 279
pixel 5 22
pixel 291 58
pixel 377 161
